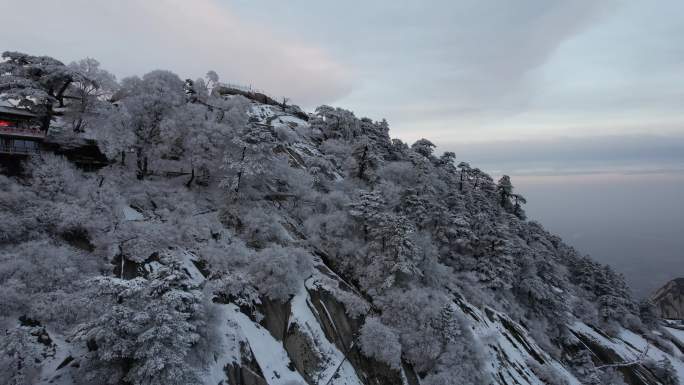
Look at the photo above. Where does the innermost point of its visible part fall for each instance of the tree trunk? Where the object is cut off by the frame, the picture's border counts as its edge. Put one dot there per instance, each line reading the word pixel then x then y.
pixel 79 125
pixel 60 93
pixel 362 164
pixel 47 118
pixel 139 173
pixel 239 175
pixel 141 162
pixel 192 177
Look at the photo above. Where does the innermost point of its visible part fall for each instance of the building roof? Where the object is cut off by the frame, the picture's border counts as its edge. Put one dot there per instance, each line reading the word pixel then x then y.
pixel 16 111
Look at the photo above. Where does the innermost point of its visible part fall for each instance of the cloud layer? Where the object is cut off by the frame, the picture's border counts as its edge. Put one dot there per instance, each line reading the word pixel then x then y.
pixel 452 58
pixel 642 153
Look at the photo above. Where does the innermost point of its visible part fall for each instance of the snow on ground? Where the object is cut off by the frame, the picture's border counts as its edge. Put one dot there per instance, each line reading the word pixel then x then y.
pixel 131 214
pixel 620 348
pixel 195 276
pixel 630 346
pixel 228 346
pixel 293 119
pixel 509 356
pixel 308 149
pixel 51 373
pixel 677 333
pixel 262 111
pixel 268 352
pixel 268 114
pixel 653 352
pixel 308 323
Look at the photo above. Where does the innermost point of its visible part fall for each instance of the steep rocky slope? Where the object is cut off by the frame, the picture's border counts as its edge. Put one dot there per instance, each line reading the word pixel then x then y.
pixel 310 339
pixel 252 244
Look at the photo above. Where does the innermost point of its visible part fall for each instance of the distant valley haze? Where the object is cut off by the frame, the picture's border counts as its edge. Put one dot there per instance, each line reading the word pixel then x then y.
pixel 580 102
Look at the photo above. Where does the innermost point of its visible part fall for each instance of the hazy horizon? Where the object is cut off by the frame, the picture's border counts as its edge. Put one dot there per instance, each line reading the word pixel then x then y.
pixel 632 222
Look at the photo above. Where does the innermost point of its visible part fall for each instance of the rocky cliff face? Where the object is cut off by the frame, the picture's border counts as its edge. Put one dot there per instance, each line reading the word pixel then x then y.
pixel 669 300
pixel 312 340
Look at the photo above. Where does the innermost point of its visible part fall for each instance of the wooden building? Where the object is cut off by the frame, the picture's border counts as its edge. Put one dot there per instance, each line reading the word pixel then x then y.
pixel 20 133
pixel 21 136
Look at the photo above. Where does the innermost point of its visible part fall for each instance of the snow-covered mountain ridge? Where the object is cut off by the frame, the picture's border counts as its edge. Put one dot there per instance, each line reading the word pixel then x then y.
pixel 232 241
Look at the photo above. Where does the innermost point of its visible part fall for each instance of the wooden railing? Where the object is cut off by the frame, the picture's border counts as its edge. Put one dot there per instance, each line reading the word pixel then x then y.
pixel 19 131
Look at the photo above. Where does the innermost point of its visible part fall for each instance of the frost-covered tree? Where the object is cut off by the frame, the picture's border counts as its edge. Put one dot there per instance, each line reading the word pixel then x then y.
pixel 480 177
pixel 279 271
pixel 447 159
pixel 366 160
pixel 37 83
pixel 391 238
pixel 111 130
pixel 378 135
pixel 367 209
pixel 464 167
pixel 53 175
pixel 380 342
pixel 518 201
pixel 391 254
pixel 89 94
pixel 606 288
pixel 251 156
pixel 424 147
pixel 20 356
pixel 664 371
pixel 335 123
pixel 504 188
pixel 199 137
pixel 147 329
pixel 433 337
pixel 648 313
pixel 148 101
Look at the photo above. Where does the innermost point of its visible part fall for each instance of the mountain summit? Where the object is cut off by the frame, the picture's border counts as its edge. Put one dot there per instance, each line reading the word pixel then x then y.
pixel 234 239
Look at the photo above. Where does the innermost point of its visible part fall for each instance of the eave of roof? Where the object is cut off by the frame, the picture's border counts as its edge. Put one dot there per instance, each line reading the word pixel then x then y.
pixel 16 112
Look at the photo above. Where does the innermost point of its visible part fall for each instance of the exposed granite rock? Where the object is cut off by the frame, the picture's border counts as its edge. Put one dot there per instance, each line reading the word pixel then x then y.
pixel 669 299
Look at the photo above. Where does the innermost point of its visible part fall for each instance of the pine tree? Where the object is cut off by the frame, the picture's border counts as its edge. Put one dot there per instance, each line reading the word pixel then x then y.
pixel 149 326
pixel 20 356
pixel 366 161
pixel 517 208
pixel 504 188
pixel 424 147
pixel 465 171
pixel 254 149
pixel 447 159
